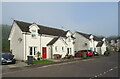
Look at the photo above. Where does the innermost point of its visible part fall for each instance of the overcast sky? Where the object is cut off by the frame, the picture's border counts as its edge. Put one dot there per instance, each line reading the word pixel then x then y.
pixel 100 18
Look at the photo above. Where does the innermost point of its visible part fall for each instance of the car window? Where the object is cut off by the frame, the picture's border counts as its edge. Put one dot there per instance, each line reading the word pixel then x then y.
pixel 89 51
pixel 7 56
pixel 84 50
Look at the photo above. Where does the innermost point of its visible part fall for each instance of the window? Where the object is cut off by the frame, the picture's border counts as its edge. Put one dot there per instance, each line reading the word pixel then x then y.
pixel 68 50
pixel 56 48
pixel 94 49
pixel 85 44
pixel 63 49
pixel 32 50
pixel 35 50
pixel 33 33
pixel 91 48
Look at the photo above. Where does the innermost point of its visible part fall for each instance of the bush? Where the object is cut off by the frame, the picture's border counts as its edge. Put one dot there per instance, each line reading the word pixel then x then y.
pixel 38 55
pixel 84 55
pixel 106 53
pixel 57 56
pixel 69 57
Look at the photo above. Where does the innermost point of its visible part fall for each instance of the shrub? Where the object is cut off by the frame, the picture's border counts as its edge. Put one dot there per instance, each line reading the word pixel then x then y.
pixel 84 55
pixel 69 57
pixel 57 56
pixel 106 53
pixel 38 55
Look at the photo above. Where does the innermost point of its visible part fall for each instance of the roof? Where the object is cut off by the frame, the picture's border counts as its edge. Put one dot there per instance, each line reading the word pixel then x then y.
pixel 97 38
pixel 109 39
pixel 100 44
pixel 53 41
pixel 24 26
pixel 73 37
pixel 88 36
pixel 85 35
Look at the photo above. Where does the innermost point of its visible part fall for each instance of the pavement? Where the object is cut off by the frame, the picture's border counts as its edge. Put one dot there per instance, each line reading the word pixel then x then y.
pixel 106 66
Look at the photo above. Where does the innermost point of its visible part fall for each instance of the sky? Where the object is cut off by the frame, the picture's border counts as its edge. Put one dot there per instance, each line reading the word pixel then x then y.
pixel 99 18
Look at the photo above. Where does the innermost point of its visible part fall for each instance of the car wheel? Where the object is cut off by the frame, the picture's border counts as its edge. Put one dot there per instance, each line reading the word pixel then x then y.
pixel 77 56
pixel 13 62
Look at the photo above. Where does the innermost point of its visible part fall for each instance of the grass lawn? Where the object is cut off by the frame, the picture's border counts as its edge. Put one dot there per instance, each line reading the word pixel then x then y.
pixel 101 55
pixel 42 61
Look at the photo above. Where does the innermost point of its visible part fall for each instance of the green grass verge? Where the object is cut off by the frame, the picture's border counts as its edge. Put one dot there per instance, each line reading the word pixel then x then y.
pixel 42 61
pixel 101 55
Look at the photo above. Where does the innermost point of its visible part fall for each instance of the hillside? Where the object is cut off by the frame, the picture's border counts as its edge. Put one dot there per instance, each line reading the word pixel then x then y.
pixel 5 35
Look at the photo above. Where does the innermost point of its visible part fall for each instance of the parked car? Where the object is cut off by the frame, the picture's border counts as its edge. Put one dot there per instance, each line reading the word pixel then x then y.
pixel 7 58
pixel 95 53
pixel 89 53
pixel 78 54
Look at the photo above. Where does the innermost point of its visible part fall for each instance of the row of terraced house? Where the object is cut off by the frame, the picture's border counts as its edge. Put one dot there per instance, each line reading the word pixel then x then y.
pixel 26 39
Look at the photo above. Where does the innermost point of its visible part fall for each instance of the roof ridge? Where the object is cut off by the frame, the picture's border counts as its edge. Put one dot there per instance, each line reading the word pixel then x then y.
pixel 83 33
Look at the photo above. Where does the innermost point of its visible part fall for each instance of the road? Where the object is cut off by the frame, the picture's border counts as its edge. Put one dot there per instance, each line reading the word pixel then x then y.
pixel 93 67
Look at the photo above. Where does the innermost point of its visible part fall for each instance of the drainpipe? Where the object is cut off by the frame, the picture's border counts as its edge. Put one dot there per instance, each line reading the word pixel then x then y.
pixel 25 46
pixel 93 46
pixel 51 52
pixel 40 43
pixel 93 43
pixel 24 42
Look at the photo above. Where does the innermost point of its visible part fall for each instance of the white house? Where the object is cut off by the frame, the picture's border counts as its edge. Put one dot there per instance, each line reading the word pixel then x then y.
pixel 118 44
pixel 29 38
pixel 114 44
pixel 85 41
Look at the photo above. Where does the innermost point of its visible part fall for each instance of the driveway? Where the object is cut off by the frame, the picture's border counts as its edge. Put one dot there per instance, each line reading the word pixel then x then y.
pixel 18 64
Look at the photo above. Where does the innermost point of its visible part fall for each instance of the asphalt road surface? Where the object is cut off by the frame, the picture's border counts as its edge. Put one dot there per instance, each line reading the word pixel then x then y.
pixel 93 67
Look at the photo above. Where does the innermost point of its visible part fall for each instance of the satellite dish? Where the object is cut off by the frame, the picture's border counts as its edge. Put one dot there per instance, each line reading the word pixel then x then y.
pixel 19 39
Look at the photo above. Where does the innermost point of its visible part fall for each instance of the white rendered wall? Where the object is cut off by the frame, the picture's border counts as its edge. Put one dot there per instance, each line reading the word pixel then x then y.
pixel 80 42
pixel 32 42
pixel 59 43
pixel 70 43
pixel 16 46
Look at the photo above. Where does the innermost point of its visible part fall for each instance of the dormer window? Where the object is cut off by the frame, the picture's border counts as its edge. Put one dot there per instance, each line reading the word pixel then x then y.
pixel 69 40
pixel 33 33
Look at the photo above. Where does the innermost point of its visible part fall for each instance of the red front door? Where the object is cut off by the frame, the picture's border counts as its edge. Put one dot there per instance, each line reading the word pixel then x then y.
pixel 44 52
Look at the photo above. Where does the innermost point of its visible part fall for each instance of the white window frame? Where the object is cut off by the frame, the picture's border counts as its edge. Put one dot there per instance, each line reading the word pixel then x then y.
pixel 33 33
pixel 70 49
pixel 33 51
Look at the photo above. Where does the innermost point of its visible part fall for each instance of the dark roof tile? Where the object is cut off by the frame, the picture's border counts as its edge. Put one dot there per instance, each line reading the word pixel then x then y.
pixel 85 35
pixel 100 44
pixel 53 41
pixel 24 26
pixel 97 38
